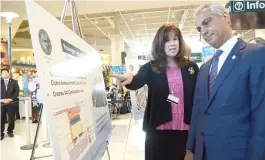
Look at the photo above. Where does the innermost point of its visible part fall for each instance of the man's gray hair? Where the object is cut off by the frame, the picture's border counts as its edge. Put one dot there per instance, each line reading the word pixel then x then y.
pixel 216 8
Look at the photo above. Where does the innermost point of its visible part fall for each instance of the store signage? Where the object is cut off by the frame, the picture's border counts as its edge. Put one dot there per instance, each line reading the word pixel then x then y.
pixel 118 69
pixel 247 6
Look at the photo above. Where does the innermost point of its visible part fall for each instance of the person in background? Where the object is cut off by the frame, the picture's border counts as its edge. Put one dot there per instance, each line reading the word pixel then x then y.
pixel 9 96
pixel 258 40
pixel 171 82
pixel 229 102
pixel 121 90
pixel 107 88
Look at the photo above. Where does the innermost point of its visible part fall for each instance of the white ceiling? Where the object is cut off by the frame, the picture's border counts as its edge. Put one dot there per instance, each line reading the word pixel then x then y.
pixel 136 20
pixel 84 7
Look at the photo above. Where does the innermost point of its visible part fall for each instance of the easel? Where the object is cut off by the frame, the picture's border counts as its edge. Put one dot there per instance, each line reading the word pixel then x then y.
pixel 75 19
pixel 77 29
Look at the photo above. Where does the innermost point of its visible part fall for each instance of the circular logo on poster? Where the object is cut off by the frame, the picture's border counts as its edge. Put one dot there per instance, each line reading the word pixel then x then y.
pixel 45 42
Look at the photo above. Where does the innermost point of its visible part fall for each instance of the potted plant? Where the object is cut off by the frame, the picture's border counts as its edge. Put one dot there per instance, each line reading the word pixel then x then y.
pixel 3 54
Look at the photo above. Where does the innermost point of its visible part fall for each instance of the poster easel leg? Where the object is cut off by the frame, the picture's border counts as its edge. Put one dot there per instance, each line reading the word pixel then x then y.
pixel 76 27
pixel 108 152
pixel 126 143
pixel 36 135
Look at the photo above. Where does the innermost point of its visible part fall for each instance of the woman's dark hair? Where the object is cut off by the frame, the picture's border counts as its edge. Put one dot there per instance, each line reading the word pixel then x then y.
pixel 159 61
pixel 258 40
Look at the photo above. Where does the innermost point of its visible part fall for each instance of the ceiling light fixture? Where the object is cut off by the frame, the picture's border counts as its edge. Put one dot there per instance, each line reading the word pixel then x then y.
pixel 9 16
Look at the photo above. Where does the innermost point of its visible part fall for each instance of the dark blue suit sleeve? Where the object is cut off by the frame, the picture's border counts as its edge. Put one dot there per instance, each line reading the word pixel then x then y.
pixel 256 146
pixel 194 118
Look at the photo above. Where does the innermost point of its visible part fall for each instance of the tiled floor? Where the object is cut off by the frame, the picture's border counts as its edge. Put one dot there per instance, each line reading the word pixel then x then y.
pixel 127 142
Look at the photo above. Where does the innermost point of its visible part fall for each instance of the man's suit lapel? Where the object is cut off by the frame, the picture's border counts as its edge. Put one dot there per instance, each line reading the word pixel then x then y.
pixel 231 60
pixel 9 85
pixel 207 70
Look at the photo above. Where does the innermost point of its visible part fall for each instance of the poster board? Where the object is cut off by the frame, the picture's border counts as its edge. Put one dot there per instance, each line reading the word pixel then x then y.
pixel 138 97
pixel 74 97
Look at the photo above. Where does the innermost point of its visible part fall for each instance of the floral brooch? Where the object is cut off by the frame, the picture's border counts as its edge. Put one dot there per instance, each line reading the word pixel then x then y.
pixel 191 70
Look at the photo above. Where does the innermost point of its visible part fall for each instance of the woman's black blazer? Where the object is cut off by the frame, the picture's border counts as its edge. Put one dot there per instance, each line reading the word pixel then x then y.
pixel 158 109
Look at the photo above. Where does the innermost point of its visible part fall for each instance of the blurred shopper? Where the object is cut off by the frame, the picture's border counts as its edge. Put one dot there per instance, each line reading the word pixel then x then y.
pixel 171 82
pixel 9 97
pixel 229 102
pixel 257 40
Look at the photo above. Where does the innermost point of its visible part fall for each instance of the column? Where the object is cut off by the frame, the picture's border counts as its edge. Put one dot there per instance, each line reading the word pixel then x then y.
pixel 117 46
pixel 117 43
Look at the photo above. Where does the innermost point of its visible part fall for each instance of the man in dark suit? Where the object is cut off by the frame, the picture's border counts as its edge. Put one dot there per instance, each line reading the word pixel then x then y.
pixel 229 104
pixel 9 97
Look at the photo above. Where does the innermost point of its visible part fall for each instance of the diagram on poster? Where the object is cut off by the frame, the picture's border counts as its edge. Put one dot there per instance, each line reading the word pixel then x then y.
pixel 73 89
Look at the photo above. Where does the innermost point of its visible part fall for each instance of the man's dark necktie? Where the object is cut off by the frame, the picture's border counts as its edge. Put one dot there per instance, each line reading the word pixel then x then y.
pixel 214 69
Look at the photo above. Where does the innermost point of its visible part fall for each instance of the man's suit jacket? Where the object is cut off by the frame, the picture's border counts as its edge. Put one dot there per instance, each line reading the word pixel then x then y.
pixel 229 124
pixel 12 90
pixel 158 109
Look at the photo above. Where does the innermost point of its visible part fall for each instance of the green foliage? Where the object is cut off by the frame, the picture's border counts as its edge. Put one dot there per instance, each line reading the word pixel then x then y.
pixel 123 56
pixel 106 76
pixel 3 54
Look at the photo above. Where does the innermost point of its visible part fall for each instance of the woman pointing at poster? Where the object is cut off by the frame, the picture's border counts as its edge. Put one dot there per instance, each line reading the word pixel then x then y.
pixel 171 82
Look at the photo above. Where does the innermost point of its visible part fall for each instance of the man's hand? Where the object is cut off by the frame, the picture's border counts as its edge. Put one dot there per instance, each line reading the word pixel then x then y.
pixel 9 100
pixel 123 79
pixel 188 156
pixel 5 101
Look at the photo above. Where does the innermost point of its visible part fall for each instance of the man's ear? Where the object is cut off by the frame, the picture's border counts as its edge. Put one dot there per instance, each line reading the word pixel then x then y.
pixel 227 18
